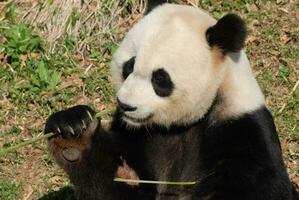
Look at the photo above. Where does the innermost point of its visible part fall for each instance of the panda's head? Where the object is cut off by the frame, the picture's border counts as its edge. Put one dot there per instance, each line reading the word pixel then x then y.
pixel 171 64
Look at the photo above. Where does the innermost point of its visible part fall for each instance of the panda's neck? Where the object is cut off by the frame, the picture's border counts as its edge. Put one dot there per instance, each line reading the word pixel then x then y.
pixel 239 92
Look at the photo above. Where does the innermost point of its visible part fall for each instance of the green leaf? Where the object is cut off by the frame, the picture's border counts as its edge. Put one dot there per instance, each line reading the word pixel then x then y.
pixel 23 49
pixel 24 85
pixel 34 80
pixel 55 80
pixel 35 90
pixel 284 73
pixel 42 72
pixel 34 44
pixel 21 39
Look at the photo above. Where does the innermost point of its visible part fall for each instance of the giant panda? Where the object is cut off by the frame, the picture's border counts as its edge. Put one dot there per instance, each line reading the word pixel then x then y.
pixel 189 109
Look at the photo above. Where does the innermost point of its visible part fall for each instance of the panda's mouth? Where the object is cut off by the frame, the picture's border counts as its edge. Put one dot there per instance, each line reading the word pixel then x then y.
pixel 136 120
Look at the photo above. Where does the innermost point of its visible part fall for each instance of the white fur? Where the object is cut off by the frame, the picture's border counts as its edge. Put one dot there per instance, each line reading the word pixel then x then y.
pixel 173 37
pixel 239 92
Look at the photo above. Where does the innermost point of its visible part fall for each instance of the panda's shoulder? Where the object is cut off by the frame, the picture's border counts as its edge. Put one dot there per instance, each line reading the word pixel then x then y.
pixel 251 135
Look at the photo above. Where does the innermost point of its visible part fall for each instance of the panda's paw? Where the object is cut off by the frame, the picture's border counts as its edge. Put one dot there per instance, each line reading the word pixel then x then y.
pixel 72 123
pixel 74 129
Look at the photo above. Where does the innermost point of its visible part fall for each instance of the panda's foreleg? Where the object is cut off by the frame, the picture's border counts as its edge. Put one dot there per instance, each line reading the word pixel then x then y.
pixel 87 153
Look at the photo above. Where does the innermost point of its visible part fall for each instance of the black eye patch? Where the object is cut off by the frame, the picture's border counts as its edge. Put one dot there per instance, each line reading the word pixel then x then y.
pixel 162 83
pixel 128 67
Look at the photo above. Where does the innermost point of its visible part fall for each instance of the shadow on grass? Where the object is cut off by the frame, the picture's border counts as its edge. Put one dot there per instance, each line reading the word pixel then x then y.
pixel 65 193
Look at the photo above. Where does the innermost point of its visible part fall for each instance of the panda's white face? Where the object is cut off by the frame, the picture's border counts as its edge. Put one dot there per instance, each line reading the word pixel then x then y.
pixel 164 68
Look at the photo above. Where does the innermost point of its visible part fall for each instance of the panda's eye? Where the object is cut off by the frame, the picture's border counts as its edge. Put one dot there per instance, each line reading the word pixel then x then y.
pixel 162 83
pixel 128 67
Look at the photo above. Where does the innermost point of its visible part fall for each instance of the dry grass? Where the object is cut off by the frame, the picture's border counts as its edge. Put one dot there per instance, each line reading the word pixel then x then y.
pixel 93 22
pixel 85 36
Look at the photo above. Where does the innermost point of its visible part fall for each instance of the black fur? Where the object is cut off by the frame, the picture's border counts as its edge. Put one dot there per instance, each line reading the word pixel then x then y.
pixel 231 160
pixel 128 67
pixel 65 193
pixel 162 83
pixel 245 153
pixel 152 4
pixel 228 34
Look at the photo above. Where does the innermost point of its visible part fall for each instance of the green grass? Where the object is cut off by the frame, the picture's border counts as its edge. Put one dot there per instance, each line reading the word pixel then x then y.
pixel 8 190
pixel 37 80
pixel 38 77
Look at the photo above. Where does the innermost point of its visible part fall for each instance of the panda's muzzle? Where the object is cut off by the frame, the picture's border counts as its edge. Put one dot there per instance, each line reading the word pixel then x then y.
pixel 128 108
pixel 137 120
pixel 125 107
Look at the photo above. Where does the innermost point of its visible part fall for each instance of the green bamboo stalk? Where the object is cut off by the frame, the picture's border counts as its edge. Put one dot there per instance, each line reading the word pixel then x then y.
pixel 4 151
pixel 123 180
pixel 106 112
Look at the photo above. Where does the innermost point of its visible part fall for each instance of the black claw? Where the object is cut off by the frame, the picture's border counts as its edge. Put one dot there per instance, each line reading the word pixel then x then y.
pixel 71 122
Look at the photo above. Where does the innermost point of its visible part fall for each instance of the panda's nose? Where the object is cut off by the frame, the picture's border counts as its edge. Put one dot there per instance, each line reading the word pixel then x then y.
pixel 125 107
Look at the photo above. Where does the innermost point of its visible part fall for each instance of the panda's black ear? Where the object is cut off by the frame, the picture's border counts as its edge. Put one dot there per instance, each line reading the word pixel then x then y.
pixel 151 4
pixel 229 34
